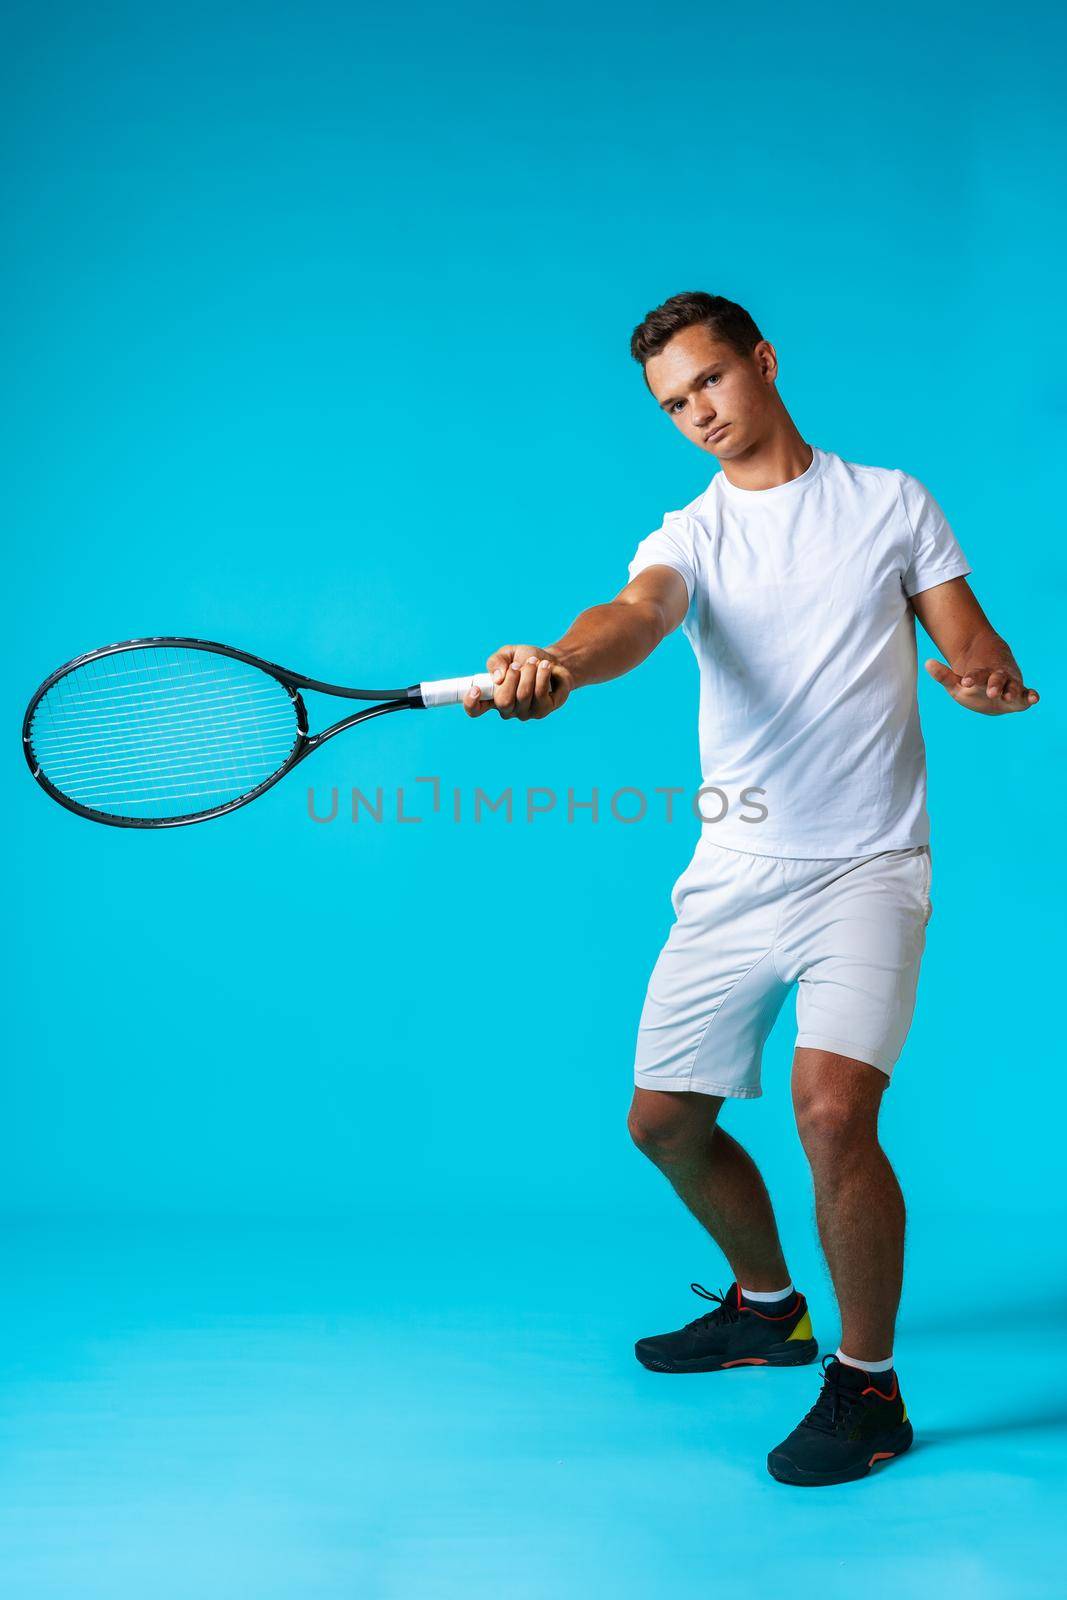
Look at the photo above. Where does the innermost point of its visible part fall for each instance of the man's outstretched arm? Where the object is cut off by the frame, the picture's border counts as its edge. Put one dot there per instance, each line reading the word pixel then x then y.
pixel 604 642
pixel 982 674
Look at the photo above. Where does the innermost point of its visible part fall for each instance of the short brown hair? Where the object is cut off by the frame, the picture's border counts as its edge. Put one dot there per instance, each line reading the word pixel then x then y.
pixel 726 321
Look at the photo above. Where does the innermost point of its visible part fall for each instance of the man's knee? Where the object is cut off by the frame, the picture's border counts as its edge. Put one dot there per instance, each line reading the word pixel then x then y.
pixel 836 1100
pixel 833 1127
pixel 667 1126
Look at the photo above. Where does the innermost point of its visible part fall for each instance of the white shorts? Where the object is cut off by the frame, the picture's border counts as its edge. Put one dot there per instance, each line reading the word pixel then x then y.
pixel 850 932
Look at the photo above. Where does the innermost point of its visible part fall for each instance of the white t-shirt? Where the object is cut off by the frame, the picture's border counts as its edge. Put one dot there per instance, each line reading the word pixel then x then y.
pixel 799 620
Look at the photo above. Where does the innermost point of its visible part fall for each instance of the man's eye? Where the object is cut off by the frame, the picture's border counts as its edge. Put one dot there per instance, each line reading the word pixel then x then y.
pixel 713 377
pixel 675 406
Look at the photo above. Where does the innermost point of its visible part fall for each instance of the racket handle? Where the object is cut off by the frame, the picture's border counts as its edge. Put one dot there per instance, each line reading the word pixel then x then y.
pixel 452 691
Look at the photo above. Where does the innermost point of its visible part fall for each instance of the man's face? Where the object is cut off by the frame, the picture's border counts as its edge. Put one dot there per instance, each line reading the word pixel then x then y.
pixel 720 400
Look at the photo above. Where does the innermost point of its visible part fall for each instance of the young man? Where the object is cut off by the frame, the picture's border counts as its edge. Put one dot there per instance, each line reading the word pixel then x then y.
pixel 797 577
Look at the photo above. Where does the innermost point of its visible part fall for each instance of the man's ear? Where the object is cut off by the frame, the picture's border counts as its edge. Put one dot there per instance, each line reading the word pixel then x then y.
pixel 766 360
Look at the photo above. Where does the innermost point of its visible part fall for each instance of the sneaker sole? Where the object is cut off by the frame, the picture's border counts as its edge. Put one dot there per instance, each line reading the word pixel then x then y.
pixel 792 1353
pixel 781 1468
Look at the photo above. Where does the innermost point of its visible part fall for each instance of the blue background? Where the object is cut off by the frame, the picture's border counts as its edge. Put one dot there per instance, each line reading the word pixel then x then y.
pixel 324 1240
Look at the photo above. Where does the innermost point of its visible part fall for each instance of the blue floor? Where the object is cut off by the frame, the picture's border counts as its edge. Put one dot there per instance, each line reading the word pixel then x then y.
pixel 420 1411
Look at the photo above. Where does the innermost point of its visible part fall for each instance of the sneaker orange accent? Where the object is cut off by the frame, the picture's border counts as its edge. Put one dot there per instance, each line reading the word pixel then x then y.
pixel 766 1315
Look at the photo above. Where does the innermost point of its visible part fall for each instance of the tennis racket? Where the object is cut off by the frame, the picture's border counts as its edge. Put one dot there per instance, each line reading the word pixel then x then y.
pixel 158 733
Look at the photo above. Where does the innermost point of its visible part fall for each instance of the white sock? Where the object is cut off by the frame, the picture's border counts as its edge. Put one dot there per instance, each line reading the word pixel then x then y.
pixel 761 1298
pixel 865 1366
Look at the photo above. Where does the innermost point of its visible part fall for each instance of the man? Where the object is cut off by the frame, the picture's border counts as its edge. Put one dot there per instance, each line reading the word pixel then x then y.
pixel 797 577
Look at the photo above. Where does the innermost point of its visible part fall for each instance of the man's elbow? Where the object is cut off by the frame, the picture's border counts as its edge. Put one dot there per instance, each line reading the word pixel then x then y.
pixel 660 596
pixel 650 616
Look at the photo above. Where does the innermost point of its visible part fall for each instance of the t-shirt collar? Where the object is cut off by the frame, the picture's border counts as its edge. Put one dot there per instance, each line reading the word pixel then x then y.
pixel 780 491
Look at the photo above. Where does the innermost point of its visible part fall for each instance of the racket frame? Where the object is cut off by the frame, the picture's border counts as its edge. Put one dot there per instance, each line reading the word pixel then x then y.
pixel 408 699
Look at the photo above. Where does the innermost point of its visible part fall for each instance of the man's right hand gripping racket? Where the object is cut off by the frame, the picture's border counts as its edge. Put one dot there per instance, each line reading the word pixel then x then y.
pixel 158 733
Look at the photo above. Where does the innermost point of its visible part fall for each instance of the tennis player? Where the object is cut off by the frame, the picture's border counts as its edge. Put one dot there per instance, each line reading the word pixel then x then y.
pixel 797 577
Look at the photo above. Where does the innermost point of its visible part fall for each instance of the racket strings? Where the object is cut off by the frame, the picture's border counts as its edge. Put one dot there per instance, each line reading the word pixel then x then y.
pixel 104 716
pixel 142 736
pixel 121 685
pixel 162 731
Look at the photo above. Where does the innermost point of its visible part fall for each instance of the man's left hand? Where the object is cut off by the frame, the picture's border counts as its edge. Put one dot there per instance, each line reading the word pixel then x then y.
pixel 990 690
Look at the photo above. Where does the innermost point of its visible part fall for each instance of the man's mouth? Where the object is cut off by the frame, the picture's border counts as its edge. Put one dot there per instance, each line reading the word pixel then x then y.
pixel 715 432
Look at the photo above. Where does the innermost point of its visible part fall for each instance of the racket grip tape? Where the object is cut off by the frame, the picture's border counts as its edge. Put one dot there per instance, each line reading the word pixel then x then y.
pixel 452 691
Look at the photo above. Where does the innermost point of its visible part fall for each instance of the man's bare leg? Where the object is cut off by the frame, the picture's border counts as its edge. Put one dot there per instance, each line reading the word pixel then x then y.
pixel 859 1208
pixel 715 1177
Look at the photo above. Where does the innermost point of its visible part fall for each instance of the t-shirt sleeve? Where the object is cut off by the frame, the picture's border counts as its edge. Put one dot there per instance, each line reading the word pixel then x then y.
pixel 935 555
pixel 670 546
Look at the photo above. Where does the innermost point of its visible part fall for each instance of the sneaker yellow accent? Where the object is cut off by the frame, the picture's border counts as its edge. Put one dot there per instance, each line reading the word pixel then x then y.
pixel 802 1329
pixel 904 1418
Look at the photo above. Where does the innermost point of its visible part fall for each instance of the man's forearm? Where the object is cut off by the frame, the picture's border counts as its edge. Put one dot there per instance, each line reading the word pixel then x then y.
pixel 608 640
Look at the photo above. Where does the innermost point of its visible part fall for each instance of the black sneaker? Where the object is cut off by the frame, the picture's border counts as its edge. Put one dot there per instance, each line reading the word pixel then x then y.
pixel 858 1419
pixel 733 1335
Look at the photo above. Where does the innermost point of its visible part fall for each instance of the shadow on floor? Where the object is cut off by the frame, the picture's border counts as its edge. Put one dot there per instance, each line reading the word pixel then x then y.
pixel 931 1318
pixel 1025 1422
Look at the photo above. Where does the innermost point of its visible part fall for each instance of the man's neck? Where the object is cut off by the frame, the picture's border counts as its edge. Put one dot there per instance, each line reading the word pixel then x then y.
pixel 778 460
